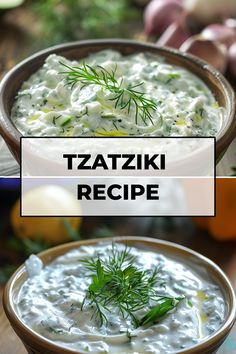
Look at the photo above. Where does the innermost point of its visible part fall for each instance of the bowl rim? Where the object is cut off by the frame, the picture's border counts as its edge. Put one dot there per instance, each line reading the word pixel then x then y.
pixel 9 131
pixel 210 341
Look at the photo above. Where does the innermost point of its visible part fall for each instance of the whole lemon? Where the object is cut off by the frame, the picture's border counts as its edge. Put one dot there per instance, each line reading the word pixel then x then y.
pixel 46 200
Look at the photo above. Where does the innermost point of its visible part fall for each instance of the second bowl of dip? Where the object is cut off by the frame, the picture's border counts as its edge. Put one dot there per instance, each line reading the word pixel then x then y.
pixel 45 308
pixel 216 83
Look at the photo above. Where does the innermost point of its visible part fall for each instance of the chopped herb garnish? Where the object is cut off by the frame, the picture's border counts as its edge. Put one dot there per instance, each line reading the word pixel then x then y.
pixel 174 75
pixel 190 304
pixel 108 115
pixel 63 121
pixel 115 125
pixel 117 282
pixel 130 335
pixel 124 97
pixel 55 118
pixel 21 94
pixel 50 328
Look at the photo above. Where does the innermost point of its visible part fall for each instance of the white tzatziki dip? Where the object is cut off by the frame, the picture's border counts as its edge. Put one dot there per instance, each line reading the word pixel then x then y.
pixel 175 102
pixel 109 298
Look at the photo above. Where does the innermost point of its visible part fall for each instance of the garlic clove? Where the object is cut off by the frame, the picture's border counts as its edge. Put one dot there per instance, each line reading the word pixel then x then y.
pixel 159 14
pixel 212 52
pixel 175 35
pixel 220 33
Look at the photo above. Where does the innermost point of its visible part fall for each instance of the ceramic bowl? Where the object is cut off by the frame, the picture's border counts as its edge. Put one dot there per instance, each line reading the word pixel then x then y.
pixel 12 82
pixel 36 344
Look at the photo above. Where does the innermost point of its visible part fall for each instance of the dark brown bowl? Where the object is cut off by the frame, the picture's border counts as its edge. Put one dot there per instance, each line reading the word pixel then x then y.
pixel 12 82
pixel 37 344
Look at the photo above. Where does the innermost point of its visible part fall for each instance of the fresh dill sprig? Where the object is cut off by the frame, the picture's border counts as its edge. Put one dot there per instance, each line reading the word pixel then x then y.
pixel 124 98
pixel 117 282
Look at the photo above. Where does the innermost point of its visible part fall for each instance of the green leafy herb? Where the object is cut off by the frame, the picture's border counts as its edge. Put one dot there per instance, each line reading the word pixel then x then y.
pixel 63 121
pixel 174 76
pixel 124 98
pixel 71 232
pixel 27 246
pixel 190 304
pixel 160 310
pixel 50 328
pixel 117 282
pixel 68 20
pixel 22 94
pixel 108 116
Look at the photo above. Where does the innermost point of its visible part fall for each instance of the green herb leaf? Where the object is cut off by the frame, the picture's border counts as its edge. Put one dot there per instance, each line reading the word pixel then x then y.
pixel 160 310
pixel 174 75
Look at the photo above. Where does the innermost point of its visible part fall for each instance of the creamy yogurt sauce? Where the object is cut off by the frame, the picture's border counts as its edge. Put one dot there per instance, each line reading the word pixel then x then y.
pixel 50 302
pixel 46 106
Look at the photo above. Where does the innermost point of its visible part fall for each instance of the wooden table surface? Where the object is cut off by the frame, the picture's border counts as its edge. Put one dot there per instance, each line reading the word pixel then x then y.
pixel 9 342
